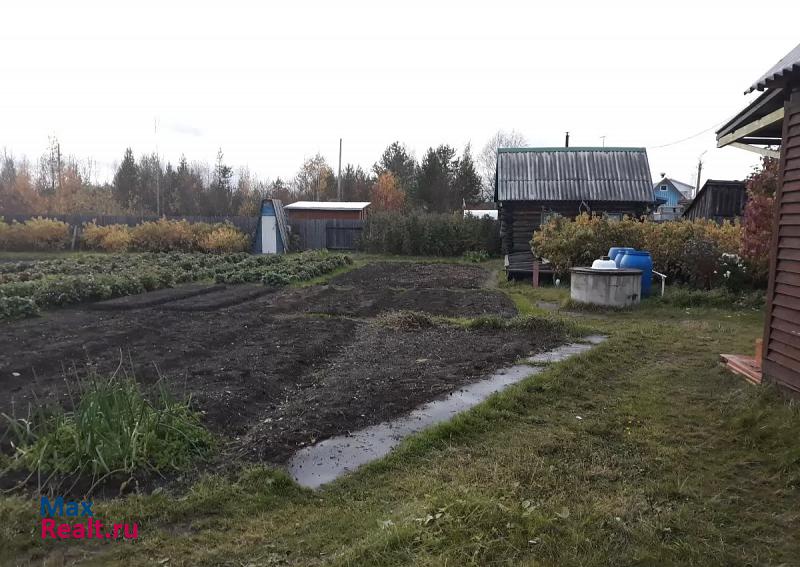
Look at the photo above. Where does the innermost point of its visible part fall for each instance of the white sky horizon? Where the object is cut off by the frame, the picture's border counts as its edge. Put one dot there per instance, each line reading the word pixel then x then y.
pixel 274 84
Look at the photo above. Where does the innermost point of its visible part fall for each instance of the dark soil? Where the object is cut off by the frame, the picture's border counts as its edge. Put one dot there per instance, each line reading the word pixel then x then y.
pixel 268 375
pixel 405 275
pixel 358 302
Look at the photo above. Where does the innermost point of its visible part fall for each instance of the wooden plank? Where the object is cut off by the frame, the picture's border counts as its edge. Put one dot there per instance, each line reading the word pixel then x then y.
pixel 787 301
pixel 787 289
pixel 775 372
pixel 787 350
pixel 789 315
pixel 791 187
pixel 790 327
pixel 789 219
pixel 789 242
pixel 786 338
pixel 789 208
pixel 788 266
pixel 787 278
pixel 787 362
pixel 788 254
pixel 789 230
pixel 771 118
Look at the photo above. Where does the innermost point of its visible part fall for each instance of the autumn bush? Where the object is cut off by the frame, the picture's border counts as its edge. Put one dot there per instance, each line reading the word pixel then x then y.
pixel 427 234
pixel 110 238
pixel 34 234
pixel 224 238
pixel 568 243
pixel 163 236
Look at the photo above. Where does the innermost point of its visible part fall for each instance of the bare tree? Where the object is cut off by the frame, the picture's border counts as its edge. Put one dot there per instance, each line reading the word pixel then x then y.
pixel 487 159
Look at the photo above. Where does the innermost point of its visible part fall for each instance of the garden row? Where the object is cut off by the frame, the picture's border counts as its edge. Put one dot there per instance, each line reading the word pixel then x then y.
pixel 156 236
pixel 27 287
pixel 700 253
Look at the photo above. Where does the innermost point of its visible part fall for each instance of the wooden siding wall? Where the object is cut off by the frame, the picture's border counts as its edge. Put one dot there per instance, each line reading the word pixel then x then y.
pixel 781 362
pixel 719 202
pixel 316 234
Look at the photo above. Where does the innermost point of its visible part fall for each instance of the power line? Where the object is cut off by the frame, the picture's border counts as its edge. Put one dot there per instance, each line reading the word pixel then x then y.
pixel 686 139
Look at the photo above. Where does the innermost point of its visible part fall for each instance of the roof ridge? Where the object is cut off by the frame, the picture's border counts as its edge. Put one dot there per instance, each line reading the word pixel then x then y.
pixel 574 149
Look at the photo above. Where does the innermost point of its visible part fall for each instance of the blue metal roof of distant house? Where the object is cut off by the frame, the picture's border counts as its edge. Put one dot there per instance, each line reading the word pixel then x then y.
pixel 573 174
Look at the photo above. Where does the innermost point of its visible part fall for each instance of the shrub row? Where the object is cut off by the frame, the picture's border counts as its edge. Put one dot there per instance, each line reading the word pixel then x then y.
pixel 165 236
pixel 686 251
pixel 26 287
pixel 424 234
pixel 156 236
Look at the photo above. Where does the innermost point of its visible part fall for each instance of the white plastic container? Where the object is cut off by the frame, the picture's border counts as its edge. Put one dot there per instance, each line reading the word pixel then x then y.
pixel 604 263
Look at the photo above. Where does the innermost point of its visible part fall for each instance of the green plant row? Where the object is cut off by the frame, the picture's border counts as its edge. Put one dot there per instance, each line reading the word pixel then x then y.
pixel 27 287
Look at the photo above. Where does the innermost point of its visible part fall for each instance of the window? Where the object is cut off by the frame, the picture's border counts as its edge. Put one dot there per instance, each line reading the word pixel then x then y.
pixel 663 187
pixel 614 216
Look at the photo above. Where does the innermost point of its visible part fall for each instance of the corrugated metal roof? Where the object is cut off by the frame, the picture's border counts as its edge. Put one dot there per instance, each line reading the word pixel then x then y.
pixel 329 205
pixel 573 174
pixel 775 77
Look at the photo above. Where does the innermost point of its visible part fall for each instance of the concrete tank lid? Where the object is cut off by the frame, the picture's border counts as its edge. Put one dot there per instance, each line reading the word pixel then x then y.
pixel 619 272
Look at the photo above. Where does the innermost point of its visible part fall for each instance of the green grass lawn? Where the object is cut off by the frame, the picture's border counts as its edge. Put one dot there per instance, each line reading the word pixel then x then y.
pixel 643 451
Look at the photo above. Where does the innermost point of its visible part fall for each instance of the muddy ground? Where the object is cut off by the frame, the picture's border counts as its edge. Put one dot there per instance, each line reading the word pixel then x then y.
pixel 274 370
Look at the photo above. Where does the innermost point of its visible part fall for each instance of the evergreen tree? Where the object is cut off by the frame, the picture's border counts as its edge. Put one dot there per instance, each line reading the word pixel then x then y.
pixel 467 182
pixel 126 181
pixel 396 160
pixel 221 188
pixel 435 179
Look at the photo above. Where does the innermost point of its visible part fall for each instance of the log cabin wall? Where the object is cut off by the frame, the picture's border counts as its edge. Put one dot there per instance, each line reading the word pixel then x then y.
pixel 781 363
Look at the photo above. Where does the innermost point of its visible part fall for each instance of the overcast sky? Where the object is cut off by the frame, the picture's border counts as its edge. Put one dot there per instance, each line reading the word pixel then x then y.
pixel 274 84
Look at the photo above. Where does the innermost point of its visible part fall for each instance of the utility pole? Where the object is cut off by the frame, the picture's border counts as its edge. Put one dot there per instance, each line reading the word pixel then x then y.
pixel 158 172
pixel 566 140
pixel 339 177
pixel 699 171
pixel 604 140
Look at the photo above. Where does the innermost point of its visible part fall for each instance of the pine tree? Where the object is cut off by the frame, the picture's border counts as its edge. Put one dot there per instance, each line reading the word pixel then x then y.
pixel 435 179
pixel 396 160
pixel 467 182
pixel 126 181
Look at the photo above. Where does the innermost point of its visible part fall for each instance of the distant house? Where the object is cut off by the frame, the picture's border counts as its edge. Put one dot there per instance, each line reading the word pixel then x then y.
pixel 327 210
pixel 671 197
pixel 480 213
pixel 532 184
pixel 718 200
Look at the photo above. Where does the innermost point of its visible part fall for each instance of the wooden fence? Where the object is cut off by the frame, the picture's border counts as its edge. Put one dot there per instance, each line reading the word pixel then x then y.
pixel 245 224
pixel 330 234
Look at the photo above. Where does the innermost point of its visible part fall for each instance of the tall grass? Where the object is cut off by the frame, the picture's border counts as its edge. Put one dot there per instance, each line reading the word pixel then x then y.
pixel 113 428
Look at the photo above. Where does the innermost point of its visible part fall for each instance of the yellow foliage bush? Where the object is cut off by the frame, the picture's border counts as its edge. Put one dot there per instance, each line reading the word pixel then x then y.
pixel 34 234
pixel 111 238
pixel 568 243
pixel 224 238
pixel 163 236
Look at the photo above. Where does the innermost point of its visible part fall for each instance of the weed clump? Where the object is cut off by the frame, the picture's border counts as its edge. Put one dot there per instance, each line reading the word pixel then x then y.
pixel 112 429
pixel 406 320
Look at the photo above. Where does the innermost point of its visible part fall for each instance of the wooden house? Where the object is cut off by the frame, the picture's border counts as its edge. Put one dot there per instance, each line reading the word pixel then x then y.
pixel 771 120
pixel 531 184
pixel 718 200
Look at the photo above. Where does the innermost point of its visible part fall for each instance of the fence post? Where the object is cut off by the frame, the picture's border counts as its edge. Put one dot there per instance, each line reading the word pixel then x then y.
pixel 535 281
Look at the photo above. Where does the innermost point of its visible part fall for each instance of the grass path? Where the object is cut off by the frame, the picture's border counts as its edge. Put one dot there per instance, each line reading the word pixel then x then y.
pixel 641 452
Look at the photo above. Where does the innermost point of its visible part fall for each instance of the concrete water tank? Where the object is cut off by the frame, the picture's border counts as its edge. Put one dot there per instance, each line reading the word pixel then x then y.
pixel 609 288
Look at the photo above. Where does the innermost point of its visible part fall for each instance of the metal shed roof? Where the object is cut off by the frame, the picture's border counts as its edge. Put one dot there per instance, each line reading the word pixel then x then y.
pixel 573 174
pixel 328 205
pixel 789 64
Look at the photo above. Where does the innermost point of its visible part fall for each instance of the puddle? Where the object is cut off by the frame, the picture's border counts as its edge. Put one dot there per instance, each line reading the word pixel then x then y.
pixel 331 458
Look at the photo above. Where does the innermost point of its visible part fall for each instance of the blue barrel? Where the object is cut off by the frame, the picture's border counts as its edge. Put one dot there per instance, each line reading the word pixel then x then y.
pixel 639 260
pixel 616 253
